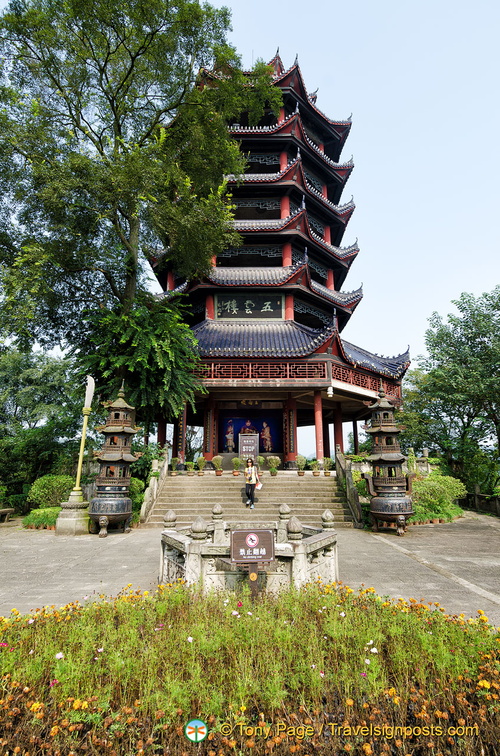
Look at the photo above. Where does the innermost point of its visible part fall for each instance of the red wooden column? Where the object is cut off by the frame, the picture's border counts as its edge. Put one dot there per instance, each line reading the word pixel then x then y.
pixel 326 438
pixel 181 436
pixel 162 432
pixel 290 428
pixel 337 426
pixel 289 307
pixel 285 206
pixel 175 439
pixel 355 436
pixel 209 430
pixel 283 160
pixel 286 254
pixel 210 307
pixel 318 424
pixel 330 280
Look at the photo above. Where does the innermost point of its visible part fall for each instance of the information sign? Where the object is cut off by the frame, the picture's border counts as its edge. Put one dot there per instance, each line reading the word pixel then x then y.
pixel 251 546
pixel 248 446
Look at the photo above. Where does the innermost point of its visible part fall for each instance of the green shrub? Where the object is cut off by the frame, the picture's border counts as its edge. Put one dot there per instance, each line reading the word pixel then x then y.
pixel 19 503
pixel 434 497
pixel 136 493
pixel 50 490
pixel 273 463
pixel 142 466
pixel 301 462
pixel 42 518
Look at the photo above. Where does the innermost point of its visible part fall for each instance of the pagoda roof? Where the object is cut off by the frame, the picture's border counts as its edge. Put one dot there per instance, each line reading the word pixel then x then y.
pixel 299 223
pixel 292 79
pixel 106 456
pixel 285 338
pixel 395 367
pixel 386 457
pixel 275 276
pixel 349 299
pixel 117 429
pixel 291 126
pixel 294 171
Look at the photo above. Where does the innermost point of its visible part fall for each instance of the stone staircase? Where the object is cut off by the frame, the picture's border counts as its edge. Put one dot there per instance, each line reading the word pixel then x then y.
pixel 307 497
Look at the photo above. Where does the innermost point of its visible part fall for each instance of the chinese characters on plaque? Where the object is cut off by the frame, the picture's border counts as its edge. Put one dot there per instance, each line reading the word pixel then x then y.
pixel 243 306
pixel 252 546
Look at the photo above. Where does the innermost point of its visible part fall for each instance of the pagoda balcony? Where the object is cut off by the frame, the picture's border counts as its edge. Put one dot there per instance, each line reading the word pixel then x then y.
pixel 386 449
pixel 386 424
pixel 383 481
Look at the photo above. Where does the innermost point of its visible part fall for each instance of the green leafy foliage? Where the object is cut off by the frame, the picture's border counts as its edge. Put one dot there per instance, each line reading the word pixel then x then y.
pixel 113 151
pixel 452 401
pixel 41 518
pixel 301 462
pixel 151 349
pixel 50 490
pixel 141 468
pixel 136 493
pixel 434 497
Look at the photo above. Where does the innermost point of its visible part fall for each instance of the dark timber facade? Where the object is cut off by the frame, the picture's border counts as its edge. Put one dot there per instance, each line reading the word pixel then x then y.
pixel 268 317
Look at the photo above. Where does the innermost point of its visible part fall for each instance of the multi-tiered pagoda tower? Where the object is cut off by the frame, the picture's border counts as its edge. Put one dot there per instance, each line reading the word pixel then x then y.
pixel 268 317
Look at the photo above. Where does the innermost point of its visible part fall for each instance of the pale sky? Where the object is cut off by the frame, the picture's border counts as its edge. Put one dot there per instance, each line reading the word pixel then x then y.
pixel 421 80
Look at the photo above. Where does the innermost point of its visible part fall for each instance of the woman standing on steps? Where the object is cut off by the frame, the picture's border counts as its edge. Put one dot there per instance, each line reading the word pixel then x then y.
pixel 251 478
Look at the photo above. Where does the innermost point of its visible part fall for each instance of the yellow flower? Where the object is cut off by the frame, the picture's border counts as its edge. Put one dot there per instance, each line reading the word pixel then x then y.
pixel 484 684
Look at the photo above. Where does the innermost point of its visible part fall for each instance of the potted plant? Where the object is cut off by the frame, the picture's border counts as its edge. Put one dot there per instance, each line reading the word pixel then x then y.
pixel 201 462
pixel 327 466
pixel 217 463
pixel 273 463
pixel 173 465
pixel 236 462
pixel 301 463
pixel 314 463
pixel 260 464
pixel 190 468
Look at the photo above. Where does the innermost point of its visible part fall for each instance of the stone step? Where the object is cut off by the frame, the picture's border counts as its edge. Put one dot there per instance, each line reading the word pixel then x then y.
pixel 277 499
pixel 253 521
pixel 308 497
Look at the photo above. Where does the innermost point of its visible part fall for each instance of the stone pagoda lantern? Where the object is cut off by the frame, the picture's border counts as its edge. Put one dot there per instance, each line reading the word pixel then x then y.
pixel 389 487
pixel 112 502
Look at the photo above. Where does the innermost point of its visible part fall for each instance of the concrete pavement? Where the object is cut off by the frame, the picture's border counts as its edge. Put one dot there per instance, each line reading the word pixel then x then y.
pixel 455 564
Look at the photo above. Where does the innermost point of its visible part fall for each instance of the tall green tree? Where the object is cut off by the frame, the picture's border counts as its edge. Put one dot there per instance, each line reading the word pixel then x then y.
pixel 453 401
pixel 39 417
pixel 113 149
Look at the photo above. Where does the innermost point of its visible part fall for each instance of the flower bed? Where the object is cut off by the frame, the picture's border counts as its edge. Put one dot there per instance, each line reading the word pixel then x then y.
pixel 325 670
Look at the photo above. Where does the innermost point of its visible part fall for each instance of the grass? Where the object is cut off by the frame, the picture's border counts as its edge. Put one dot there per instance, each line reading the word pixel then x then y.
pixel 41 518
pixel 122 676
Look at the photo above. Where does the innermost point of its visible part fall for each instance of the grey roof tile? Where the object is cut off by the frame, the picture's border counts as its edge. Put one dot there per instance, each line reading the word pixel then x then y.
pixel 251 339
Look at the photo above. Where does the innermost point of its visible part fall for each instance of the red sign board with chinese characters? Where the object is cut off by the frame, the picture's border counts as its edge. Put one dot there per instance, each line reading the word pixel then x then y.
pixel 249 546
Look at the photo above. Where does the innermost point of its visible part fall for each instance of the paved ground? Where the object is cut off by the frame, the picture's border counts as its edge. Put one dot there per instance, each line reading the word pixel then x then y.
pixel 456 564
